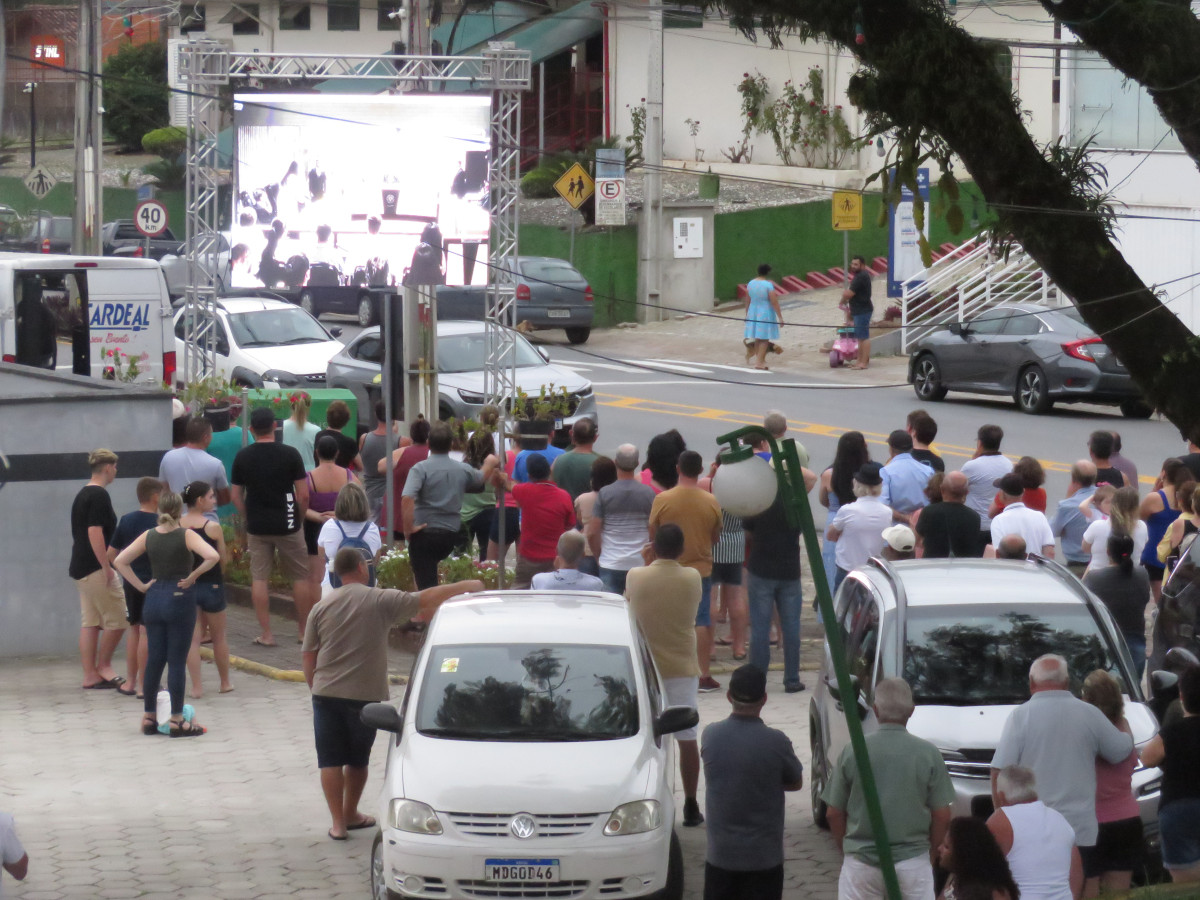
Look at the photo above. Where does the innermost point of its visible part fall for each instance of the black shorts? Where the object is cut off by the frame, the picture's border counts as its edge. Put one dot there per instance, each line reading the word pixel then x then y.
pixel 342 738
pixel 727 573
pixel 134 601
pixel 1154 572
pixel 1119 847
pixel 512 526
pixel 312 531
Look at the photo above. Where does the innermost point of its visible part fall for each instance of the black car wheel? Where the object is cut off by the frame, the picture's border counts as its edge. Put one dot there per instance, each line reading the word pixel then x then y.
pixel 817 777
pixel 379 888
pixel 578 335
pixel 307 304
pixel 366 310
pixel 673 890
pixel 1033 395
pixel 1136 409
pixel 927 379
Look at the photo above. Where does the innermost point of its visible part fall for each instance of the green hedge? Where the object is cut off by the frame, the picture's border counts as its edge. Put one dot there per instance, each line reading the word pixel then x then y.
pixel 607 258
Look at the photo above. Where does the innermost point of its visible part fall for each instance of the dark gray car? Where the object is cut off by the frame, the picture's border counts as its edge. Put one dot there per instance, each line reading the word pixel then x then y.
pixel 1038 355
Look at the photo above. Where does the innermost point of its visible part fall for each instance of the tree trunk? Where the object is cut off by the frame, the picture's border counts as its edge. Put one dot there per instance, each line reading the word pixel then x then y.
pixel 925 72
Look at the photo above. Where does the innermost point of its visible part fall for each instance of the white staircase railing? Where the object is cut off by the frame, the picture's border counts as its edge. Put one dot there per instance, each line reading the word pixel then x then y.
pixel 967 281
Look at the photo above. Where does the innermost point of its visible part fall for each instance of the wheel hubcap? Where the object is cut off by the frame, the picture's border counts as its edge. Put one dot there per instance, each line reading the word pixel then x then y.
pixel 925 377
pixel 377 876
pixel 1031 389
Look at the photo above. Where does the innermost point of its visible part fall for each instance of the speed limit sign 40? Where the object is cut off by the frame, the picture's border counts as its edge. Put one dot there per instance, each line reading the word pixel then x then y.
pixel 150 217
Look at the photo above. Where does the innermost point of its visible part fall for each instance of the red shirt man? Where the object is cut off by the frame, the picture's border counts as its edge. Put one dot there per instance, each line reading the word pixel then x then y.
pixel 546 512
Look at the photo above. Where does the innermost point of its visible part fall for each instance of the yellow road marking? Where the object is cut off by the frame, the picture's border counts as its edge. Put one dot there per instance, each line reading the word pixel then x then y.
pixel 685 410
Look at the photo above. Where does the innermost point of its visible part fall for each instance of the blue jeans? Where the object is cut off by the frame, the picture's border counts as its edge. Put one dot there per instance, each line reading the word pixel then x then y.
pixel 1137 649
pixel 169 616
pixel 767 595
pixel 614 580
pixel 704 612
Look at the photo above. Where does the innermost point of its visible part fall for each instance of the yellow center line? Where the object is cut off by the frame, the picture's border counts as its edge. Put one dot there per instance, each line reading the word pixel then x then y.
pixel 690 411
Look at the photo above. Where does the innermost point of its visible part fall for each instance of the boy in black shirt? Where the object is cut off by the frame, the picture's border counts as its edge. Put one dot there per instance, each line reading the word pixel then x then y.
pixel 101 602
pixel 133 525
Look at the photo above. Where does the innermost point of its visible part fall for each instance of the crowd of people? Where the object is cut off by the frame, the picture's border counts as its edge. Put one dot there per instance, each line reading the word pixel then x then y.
pixel 649 528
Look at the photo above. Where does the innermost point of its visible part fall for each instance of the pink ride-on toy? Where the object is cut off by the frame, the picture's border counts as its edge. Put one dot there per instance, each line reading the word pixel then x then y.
pixel 845 347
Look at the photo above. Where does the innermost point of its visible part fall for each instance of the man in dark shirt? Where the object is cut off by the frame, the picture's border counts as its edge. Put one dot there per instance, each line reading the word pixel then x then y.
pixel 923 430
pixel 101 600
pixel 950 528
pixel 859 296
pixel 774 568
pixel 271 493
pixel 747 768
pixel 337 417
pixel 1192 458
pixel 1100 446
pixel 573 470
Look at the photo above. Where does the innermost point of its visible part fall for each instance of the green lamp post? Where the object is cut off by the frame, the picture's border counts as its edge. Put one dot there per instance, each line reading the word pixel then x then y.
pixel 745 485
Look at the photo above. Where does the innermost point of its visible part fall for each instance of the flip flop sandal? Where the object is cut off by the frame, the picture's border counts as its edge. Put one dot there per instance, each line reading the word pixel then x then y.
pixel 187 730
pixel 338 837
pixel 367 822
pixel 131 692
pixel 150 726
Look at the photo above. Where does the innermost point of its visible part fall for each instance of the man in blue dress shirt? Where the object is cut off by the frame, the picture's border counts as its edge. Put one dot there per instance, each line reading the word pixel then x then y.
pixel 904 478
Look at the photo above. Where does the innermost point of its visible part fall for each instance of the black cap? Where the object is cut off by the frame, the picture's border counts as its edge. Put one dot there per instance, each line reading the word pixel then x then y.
pixel 1010 484
pixel 748 684
pixel 868 474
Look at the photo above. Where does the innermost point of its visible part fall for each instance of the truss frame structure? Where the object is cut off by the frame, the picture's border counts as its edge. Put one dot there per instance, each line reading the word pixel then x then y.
pixel 208 66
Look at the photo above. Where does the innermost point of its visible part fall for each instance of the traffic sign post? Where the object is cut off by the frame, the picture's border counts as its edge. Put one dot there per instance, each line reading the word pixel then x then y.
pixel 610 201
pixel 39 181
pixel 575 186
pixel 847 216
pixel 150 218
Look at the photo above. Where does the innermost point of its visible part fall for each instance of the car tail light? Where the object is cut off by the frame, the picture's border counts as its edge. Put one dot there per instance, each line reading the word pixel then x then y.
pixel 45 245
pixel 1079 349
pixel 85 265
pixel 523 292
pixel 169 368
pixel 8 357
pixel 139 251
pixel 587 294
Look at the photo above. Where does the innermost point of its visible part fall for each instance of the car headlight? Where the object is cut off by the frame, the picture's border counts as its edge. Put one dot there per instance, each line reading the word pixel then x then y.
pixel 471 397
pixel 634 818
pixel 414 817
pixel 281 378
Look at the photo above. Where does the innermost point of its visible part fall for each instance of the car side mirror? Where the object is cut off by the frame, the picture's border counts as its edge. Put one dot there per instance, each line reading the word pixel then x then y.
pixel 382 717
pixel 836 693
pixel 669 721
pixel 542 352
pixel 958 328
pixel 336 331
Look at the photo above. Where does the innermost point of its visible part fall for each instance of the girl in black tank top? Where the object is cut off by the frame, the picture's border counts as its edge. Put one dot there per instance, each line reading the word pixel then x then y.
pixel 201 503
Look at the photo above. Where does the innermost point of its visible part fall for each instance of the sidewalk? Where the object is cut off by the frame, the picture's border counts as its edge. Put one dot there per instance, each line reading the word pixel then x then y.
pixel 715 337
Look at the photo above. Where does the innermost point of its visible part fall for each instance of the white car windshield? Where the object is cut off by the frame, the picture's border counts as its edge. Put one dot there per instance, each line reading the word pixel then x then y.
pixel 527 692
pixel 981 656
pixel 468 353
pixel 275 328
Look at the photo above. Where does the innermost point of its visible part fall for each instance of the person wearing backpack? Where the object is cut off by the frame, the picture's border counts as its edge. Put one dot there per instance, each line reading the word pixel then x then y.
pixel 431 506
pixel 353 527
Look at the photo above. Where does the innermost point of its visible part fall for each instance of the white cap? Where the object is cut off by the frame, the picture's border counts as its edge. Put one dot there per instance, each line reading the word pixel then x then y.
pixel 900 538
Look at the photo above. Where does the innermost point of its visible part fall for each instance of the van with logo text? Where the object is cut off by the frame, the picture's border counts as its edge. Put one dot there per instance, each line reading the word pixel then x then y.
pixel 107 317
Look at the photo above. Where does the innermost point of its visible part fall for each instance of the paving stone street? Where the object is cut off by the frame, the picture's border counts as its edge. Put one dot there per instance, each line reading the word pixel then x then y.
pixel 105 812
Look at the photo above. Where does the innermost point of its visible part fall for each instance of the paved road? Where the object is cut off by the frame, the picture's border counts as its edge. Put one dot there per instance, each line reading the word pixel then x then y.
pixel 237 814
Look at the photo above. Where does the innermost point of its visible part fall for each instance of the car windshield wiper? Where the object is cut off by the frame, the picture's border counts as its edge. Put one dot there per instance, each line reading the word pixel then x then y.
pixel 966 700
pixel 300 340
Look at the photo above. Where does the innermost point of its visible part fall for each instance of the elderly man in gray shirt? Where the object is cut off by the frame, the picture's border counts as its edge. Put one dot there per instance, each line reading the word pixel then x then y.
pixel 1059 736
pixel 431 507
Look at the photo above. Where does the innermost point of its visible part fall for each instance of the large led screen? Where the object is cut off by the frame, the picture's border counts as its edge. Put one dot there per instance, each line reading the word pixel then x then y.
pixel 353 190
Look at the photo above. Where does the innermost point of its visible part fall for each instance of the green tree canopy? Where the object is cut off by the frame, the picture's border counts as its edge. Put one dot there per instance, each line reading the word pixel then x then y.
pixel 135 93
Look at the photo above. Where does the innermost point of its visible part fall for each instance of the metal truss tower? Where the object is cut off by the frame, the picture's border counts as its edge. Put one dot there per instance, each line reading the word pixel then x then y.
pixel 502 69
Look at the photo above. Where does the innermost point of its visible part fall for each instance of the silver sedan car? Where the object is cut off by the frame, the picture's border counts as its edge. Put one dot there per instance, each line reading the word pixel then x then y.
pixel 461 352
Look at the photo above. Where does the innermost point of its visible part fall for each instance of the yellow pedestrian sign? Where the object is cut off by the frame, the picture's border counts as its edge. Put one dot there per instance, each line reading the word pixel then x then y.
pixel 847 211
pixel 575 186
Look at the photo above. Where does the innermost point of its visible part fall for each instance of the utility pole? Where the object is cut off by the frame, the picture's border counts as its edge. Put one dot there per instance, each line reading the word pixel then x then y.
pixel 652 179
pixel 3 62
pixel 89 134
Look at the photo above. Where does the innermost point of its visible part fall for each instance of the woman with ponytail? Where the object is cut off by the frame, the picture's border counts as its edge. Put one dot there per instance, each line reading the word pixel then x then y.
pixel 169 613
pixel 200 500
pixel 1125 589
pixel 1122 519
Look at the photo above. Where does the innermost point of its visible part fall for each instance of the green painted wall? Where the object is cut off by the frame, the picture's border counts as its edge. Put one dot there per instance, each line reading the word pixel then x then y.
pixel 119 203
pixel 798 239
pixel 607 259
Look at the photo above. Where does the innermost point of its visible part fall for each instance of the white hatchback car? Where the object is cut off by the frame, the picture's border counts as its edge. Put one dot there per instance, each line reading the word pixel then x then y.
pixel 260 342
pixel 531 756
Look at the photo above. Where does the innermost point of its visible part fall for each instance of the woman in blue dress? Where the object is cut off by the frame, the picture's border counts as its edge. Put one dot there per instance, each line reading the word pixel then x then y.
pixel 763 315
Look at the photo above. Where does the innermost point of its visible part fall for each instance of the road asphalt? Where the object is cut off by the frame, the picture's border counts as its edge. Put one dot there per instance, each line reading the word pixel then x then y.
pixel 104 811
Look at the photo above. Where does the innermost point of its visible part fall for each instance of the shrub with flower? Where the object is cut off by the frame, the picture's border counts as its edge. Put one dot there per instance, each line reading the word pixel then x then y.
pixel 804 130
pixel 395 570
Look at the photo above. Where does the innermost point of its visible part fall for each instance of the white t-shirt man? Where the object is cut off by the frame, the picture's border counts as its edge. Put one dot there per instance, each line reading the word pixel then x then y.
pixel 982 473
pixel 330 539
pixel 1033 526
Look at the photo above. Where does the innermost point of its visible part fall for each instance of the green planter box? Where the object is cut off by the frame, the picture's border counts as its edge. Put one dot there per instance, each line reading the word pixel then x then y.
pixel 321 398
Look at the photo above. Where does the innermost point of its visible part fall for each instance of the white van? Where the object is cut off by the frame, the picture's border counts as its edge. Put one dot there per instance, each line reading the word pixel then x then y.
pixel 113 313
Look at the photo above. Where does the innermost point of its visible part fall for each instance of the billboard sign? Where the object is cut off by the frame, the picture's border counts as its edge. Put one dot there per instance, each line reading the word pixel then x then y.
pixel 360 190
